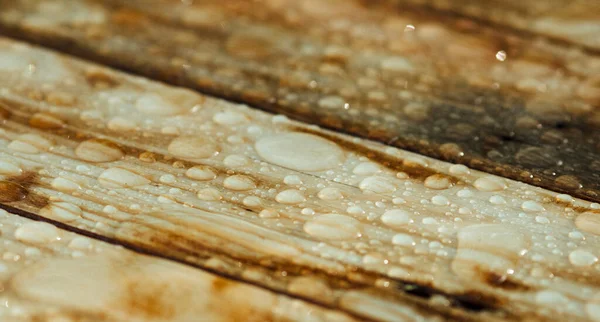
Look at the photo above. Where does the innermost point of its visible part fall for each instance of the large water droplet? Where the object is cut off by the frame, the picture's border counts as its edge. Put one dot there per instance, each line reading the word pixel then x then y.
pixel 376 184
pixel 582 258
pixel 396 218
pixel 37 233
pixel 300 151
pixel 290 197
pixel 98 150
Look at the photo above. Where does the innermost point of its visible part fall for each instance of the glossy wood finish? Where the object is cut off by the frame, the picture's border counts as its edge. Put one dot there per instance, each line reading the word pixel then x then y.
pixel 574 22
pixel 368 230
pixel 49 274
pixel 498 100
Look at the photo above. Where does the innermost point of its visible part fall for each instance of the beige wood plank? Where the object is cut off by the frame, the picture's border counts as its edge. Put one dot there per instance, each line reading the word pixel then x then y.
pixel 49 274
pixel 371 230
pixel 501 101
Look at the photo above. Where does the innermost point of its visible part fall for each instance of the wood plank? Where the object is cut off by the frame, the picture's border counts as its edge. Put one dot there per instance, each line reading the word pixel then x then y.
pixel 49 274
pixel 494 100
pixel 577 22
pixel 375 231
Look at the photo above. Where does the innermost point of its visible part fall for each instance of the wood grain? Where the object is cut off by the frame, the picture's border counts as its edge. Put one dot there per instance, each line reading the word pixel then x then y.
pixel 373 231
pixel 575 22
pixel 49 274
pixel 499 101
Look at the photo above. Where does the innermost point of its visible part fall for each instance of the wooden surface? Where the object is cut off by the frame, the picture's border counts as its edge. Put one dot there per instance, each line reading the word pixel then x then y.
pixel 517 104
pixel 370 231
pixel 49 274
pixel 250 215
pixel 574 22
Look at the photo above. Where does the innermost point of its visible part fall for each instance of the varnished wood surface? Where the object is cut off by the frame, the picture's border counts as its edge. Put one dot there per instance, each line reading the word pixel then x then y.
pixel 517 105
pixel 49 274
pixel 368 230
pixel 575 22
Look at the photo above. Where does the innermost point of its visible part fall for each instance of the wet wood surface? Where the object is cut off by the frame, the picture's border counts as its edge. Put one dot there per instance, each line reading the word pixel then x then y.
pixel 517 104
pixel 49 274
pixel 574 22
pixel 347 224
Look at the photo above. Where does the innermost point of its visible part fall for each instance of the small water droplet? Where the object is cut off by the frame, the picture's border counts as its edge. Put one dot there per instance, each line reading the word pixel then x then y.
pixel 290 197
pixel 98 150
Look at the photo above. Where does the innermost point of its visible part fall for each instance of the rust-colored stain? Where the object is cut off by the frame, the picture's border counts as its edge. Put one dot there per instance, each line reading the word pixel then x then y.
pixel 150 299
pixel 17 189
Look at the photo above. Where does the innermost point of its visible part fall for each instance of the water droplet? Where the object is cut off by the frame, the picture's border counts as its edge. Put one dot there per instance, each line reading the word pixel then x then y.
pixel 65 185
pixel 497 200
pixel 292 180
pixel 201 173
pixel 230 118
pixel 465 193
pixel 209 194
pixel 532 206
pixel 167 178
pixel 459 169
pixel 290 197
pixel 403 240
pixel 576 235
pixel 489 184
pixel 437 182
pixel 114 178
pixel 440 200
pixel 355 210
pixel 121 124
pixel 396 218
pixel 80 243
pixel 61 211
pixel 9 169
pixel 193 148
pixel 542 220
pixel 252 202
pixel 98 150
pixel 307 211
pixel 268 213
pixel 239 182
pixel 331 102
pixel 366 169
pixel 235 161
pixel 582 258
pixel 30 144
pixel 330 194
pixel 300 151
pixel 564 198
pixel 37 233
pixel 376 184
pixel 333 227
